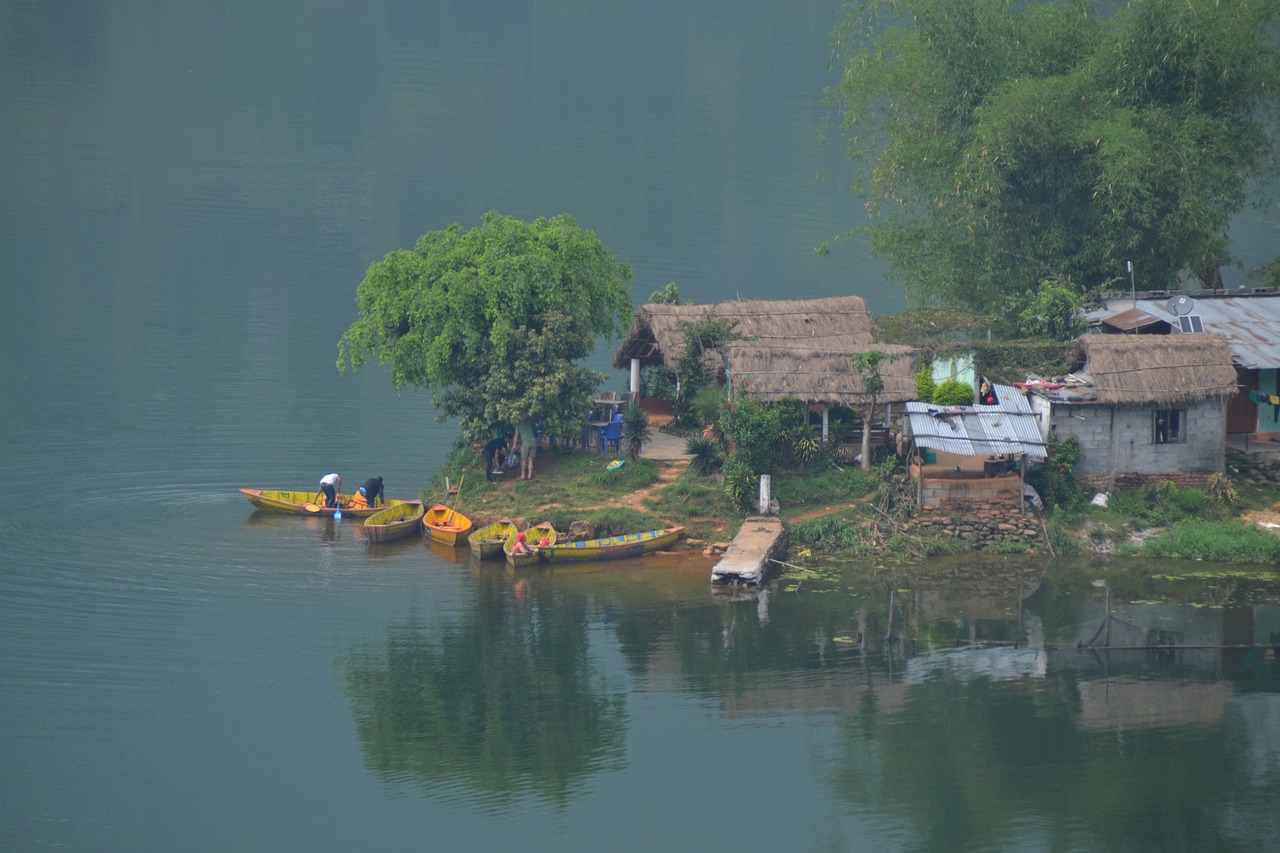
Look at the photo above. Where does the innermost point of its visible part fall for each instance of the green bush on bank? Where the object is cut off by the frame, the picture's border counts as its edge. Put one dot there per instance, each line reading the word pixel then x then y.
pixel 1231 541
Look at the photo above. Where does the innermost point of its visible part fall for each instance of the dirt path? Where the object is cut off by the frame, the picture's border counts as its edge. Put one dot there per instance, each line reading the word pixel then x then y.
pixel 668 473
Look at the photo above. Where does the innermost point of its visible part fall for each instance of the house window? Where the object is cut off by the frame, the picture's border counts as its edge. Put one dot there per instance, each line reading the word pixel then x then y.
pixel 1168 426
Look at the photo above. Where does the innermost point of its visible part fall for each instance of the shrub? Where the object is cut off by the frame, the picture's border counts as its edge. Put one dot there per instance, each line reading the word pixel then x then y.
pixel 828 532
pixel 1055 479
pixel 705 404
pixel 635 430
pixel 924 383
pixel 655 383
pixel 739 482
pixel 953 392
pixel 756 430
pixel 805 443
pixel 705 455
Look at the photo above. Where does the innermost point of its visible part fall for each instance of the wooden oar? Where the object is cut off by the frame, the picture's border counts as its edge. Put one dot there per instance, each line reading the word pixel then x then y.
pixel 457 497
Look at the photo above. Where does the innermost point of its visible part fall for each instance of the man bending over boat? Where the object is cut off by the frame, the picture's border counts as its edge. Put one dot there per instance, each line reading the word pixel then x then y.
pixel 495 450
pixel 331 485
pixel 371 491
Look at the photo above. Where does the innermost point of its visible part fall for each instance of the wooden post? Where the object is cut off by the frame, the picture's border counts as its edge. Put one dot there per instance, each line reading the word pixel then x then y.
pixel 1022 481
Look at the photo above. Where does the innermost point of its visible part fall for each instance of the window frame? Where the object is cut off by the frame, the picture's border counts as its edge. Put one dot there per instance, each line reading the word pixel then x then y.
pixel 1173 422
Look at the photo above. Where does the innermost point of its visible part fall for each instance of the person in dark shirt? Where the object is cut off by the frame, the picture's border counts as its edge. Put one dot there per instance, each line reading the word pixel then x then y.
pixel 491 457
pixel 372 491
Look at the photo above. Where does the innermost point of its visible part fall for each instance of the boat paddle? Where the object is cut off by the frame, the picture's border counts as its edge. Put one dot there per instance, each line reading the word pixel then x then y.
pixel 457 496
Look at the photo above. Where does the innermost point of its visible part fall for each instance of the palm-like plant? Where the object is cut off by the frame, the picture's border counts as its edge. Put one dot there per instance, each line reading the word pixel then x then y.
pixel 704 455
pixel 635 430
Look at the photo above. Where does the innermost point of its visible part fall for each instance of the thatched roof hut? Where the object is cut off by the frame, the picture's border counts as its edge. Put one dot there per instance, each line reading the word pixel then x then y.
pixel 813 373
pixel 1160 369
pixel 838 324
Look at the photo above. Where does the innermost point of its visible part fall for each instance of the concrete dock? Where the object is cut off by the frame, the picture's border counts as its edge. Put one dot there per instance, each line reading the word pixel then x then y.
pixel 747 560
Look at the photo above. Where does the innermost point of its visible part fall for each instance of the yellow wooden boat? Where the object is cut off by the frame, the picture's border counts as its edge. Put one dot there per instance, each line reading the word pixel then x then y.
pixel 613 547
pixel 304 503
pixel 446 526
pixel 487 541
pixel 394 522
pixel 534 536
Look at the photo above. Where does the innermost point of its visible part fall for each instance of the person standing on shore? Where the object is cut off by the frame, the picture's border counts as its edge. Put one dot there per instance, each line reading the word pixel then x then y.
pixel 528 444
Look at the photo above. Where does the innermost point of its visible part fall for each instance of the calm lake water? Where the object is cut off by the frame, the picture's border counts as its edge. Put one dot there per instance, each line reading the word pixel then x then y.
pixel 191 195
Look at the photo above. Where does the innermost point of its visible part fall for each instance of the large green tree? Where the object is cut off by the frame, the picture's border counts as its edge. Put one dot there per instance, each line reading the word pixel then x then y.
pixel 493 319
pixel 1007 143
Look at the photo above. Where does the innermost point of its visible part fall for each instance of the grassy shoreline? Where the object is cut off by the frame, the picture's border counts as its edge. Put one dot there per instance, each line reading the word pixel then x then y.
pixel 839 513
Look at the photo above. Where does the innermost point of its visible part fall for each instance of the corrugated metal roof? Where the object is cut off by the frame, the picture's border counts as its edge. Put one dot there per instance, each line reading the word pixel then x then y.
pixel 1251 324
pixel 1010 427
pixel 1134 318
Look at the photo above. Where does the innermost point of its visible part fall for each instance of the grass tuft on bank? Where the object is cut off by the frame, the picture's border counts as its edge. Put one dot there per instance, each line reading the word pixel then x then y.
pixel 1216 541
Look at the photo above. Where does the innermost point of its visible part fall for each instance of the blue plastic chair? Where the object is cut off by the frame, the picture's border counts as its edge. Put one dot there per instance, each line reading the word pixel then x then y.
pixel 611 434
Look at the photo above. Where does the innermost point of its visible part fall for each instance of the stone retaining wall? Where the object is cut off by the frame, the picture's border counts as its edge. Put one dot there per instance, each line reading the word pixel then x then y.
pixel 980 524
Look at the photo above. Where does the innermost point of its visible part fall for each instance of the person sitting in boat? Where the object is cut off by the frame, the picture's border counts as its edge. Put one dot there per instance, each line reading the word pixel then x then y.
pixel 521 546
pixel 491 458
pixel 331 486
pixel 370 494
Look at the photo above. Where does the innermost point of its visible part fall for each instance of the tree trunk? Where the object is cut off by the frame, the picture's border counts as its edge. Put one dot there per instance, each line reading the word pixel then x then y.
pixel 866 435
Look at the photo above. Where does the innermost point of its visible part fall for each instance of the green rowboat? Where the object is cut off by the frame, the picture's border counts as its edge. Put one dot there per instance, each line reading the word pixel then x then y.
pixel 394 522
pixel 487 541
pixel 613 547
pixel 533 536
pixel 304 503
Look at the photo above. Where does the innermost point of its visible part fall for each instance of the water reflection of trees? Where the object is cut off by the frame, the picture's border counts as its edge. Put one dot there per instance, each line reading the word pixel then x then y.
pixel 965 764
pixel 504 701
pixel 995 746
pixel 963 747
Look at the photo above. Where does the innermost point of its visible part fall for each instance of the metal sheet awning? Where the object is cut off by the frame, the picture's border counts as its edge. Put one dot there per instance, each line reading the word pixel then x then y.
pixel 1010 427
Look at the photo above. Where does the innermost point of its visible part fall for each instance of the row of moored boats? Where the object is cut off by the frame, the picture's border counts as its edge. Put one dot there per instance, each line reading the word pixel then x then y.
pixel 396 519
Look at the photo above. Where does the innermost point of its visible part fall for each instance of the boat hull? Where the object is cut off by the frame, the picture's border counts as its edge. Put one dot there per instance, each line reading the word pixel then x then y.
pixel 303 503
pixel 488 541
pixel 395 522
pixel 445 526
pixel 533 536
pixel 613 547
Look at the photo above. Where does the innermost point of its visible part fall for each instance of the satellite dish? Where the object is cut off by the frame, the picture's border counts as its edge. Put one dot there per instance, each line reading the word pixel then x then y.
pixel 1180 305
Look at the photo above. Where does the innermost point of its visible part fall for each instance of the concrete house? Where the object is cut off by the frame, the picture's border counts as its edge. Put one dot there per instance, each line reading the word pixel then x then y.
pixel 1248 319
pixel 1145 408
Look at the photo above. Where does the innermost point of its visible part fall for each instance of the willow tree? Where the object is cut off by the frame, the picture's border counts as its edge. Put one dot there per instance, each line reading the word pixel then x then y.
pixel 492 320
pixel 1007 143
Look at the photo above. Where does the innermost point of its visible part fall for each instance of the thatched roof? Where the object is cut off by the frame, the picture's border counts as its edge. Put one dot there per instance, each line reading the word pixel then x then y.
pixel 839 324
pixel 812 373
pixel 1162 369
